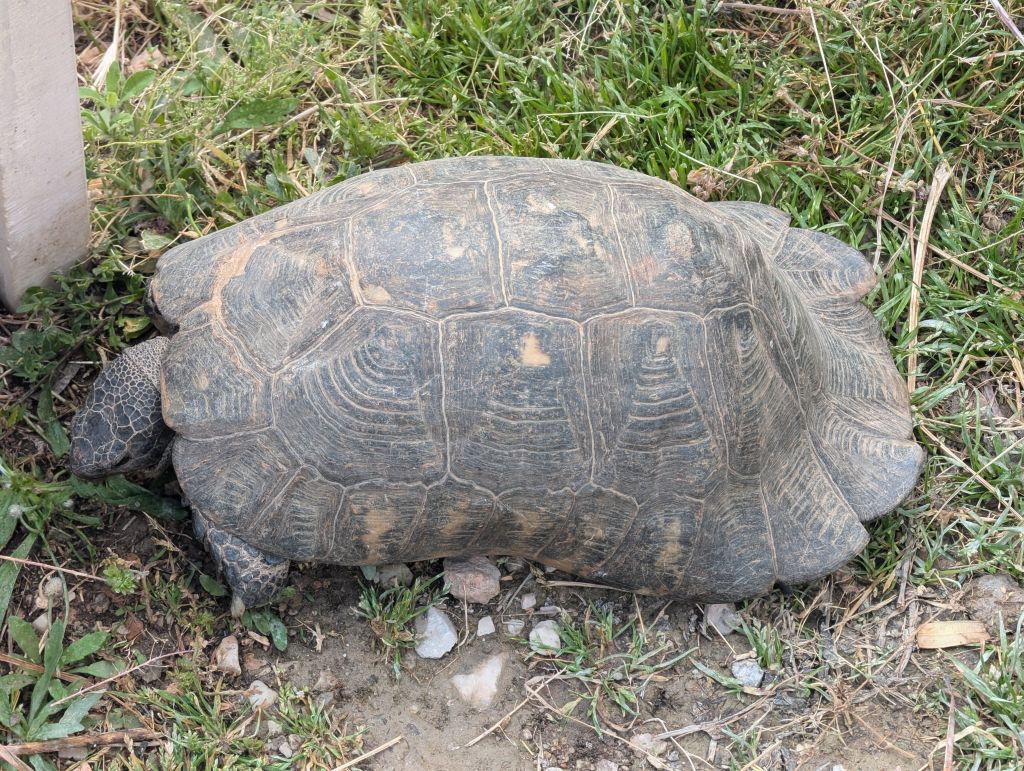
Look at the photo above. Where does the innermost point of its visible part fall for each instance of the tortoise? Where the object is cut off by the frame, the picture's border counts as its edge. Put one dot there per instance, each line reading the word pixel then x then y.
pixel 561 360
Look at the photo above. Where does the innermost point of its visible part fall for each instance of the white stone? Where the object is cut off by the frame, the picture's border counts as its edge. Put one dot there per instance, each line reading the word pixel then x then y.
pixel 649 744
pixel 485 626
pixel 260 695
pixel 479 686
pixel 393 575
pixel 544 637
pixel 528 601
pixel 748 672
pixel 514 627
pixel 225 658
pixel 605 765
pixel 723 618
pixel 41 624
pixel 435 634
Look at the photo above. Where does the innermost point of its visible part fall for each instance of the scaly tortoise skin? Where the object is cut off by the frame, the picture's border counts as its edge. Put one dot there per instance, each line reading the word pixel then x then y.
pixel 561 360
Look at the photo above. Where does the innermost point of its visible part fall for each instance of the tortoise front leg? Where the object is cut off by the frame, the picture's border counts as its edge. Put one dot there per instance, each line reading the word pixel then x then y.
pixel 254 576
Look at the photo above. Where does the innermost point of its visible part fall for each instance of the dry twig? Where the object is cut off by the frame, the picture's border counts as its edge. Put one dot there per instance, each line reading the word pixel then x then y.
pixel 87 740
pixel 370 754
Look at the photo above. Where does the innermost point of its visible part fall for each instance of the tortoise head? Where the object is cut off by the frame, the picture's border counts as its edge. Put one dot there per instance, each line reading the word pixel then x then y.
pixel 120 427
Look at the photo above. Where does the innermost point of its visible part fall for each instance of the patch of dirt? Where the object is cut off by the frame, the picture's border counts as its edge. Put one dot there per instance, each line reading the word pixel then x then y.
pixel 809 713
pixel 425 709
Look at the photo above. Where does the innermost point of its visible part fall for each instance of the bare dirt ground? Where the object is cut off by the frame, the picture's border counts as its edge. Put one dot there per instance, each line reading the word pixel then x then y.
pixel 830 702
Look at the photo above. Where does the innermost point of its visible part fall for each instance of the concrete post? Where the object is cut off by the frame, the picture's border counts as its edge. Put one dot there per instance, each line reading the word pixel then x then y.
pixel 44 209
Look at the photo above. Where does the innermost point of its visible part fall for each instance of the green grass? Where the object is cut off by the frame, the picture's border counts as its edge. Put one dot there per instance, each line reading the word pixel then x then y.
pixel 608 664
pixel 841 118
pixel 390 612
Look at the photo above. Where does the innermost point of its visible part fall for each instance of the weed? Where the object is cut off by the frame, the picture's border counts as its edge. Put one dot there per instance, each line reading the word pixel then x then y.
pixel 47 698
pixel 613 662
pixel 991 704
pixel 392 610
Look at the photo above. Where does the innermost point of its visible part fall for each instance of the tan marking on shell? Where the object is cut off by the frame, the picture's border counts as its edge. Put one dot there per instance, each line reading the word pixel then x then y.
pixel 661 346
pixel 532 355
pixel 377 295
pixel 233 266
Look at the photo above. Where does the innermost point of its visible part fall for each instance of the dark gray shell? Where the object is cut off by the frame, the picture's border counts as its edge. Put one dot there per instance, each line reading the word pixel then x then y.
pixel 556 359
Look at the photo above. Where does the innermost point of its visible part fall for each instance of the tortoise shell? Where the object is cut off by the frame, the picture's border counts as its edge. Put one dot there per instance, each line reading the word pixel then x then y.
pixel 561 360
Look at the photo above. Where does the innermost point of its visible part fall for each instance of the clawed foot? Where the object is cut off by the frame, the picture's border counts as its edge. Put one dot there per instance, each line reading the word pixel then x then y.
pixel 254 576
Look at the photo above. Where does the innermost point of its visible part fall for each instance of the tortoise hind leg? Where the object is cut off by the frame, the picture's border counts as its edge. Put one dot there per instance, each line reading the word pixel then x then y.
pixel 254 576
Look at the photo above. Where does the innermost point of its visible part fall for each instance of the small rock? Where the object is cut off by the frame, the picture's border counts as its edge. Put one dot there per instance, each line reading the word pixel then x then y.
pixel 748 672
pixel 485 626
pixel 326 682
pixel 649 744
pixel 41 624
pixel 723 618
pixel 435 634
pixel 479 686
pixel 324 700
pixel 528 601
pixel 544 637
pixel 49 591
pixel 514 565
pixel 514 627
pixel 990 596
pixel 150 673
pixel 73 753
pixel 273 728
pixel 605 765
pixel 260 695
pixel 285 750
pixel 253 663
pixel 225 658
pixel 393 575
pixel 549 610
pixel 473 579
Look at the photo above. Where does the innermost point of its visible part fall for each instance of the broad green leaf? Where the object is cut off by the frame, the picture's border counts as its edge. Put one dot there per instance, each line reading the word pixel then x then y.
pixel 26 638
pixel 9 573
pixel 14 682
pixel 102 669
pixel 112 83
pixel 257 113
pixel 83 647
pixel 71 721
pixel 40 763
pixel 137 83
pixel 212 586
pixel 53 431
pixel 118 491
pixel 51 660
pixel 278 633
pixel 7 523
pixel 154 242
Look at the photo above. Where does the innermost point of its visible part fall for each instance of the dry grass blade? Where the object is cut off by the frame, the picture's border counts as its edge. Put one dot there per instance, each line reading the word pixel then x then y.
pixel 758 8
pixel 1007 20
pixel 947 758
pixel 942 176
pixel 16 763
pixel 367 755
